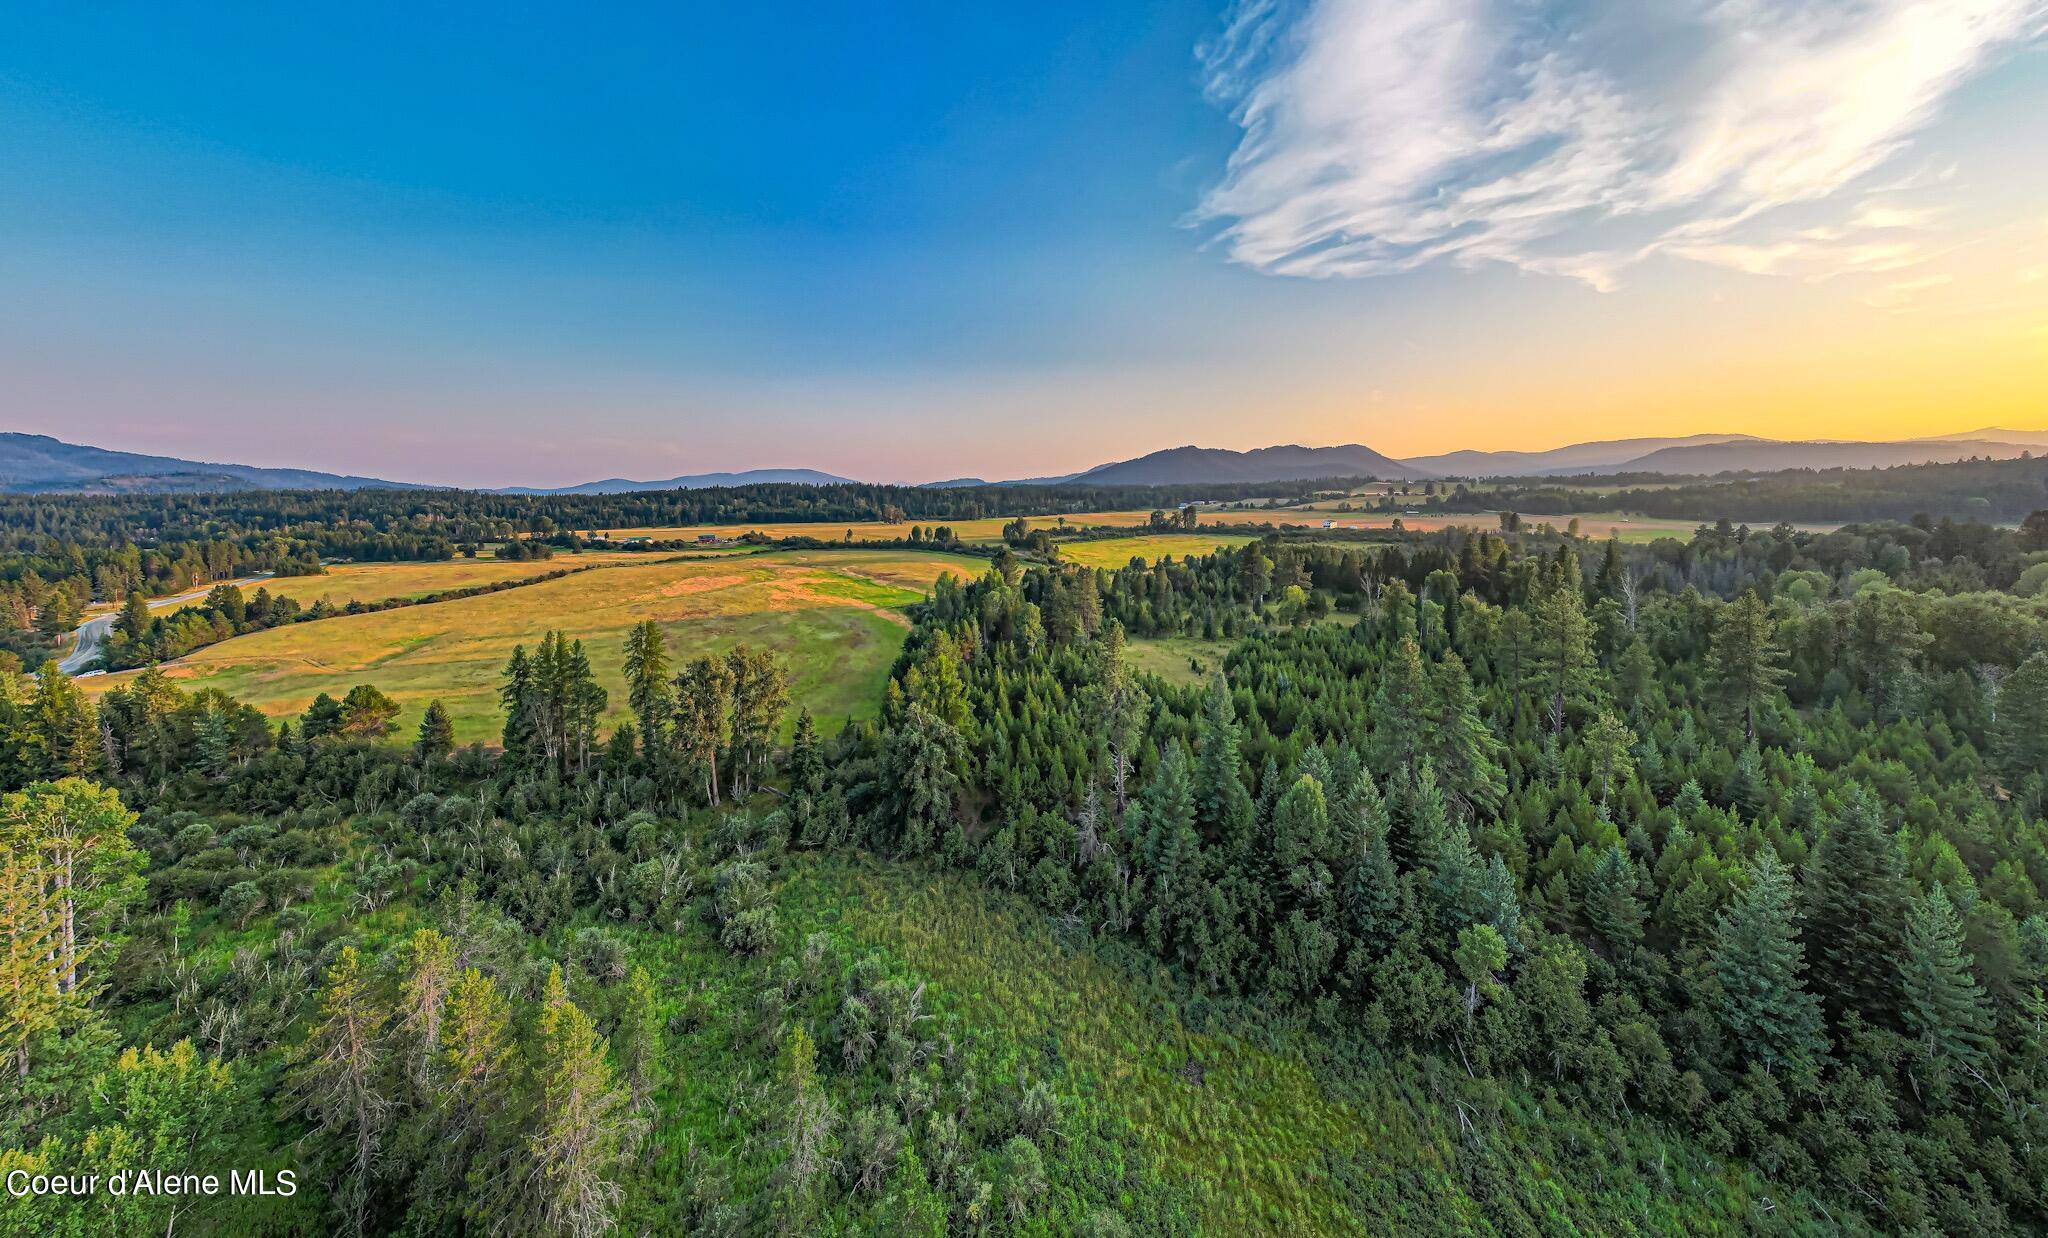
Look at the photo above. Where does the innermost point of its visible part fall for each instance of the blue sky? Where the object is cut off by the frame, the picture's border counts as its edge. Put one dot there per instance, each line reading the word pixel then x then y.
pixel 492 246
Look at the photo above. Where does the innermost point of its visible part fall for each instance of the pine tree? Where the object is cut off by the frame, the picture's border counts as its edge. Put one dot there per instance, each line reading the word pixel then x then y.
pixel 322 718
pixel 437 734
pixel 921 757
pixel 171 1111
pixel 1116 705
pixel 1173 860
pixel 516 695
pixel 1371 897
pixel 1608 742
pixel 638 1038
pixel 580 1131
pixel 584 704
pixel 72 836
pixel 1458 880
pixel 1745 666
pixel 1480 958
pixel 341 1077
pixel 31 1001
pixel 648 689
pixel 1222 804
pixel 1458 743
pixel 1612 907
pixel 1757 960
pixel 2019 736
pixel 477 1062
pixel 427 973
pixel 366 713
pixel 1562 664
pixel 213 742
pixel 1885 641
pixel 1940 1003
pixel 135 619
pixel 759 695
pixel 1746 787
pixel 806 758
pixel 1300 833
pixel 1400 711
pixel 811 1124
pixel 703 718
pixel 1856 899
pixel 1608 583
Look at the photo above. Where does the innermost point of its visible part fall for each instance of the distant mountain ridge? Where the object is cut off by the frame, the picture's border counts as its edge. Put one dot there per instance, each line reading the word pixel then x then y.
pixel 1994 434
pixel 1765 455
pixel 39 464
pixel 693 481
pixel 1180 466
pixel 1575 458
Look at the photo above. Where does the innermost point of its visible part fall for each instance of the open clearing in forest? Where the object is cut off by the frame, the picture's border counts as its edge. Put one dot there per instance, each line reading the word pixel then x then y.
pixel 1116 552
pixel 1264 1139
pixel 834 618
pixel 1175 658
pixel 989 529
pixel 343 583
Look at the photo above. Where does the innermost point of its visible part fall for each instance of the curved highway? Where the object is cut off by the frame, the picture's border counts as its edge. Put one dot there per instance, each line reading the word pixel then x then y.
pixel 86 641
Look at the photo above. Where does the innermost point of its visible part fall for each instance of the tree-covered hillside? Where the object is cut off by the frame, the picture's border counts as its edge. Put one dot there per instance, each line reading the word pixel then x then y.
pixel 1491 883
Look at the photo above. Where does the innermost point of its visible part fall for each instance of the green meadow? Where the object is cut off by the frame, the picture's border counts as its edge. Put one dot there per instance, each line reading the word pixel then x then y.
pixel 835 618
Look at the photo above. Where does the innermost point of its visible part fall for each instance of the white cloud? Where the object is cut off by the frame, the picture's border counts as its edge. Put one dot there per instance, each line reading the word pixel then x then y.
pixel 1383 135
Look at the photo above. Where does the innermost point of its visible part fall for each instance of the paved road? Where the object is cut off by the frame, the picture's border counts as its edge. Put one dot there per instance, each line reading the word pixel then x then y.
pixel 86 641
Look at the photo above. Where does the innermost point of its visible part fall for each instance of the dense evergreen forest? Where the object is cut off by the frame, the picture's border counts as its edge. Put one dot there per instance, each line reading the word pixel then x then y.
pixel 1696 885
pixel 2002 491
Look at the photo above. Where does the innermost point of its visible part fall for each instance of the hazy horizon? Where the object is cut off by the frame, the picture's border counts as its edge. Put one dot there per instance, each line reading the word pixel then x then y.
pixel 540 250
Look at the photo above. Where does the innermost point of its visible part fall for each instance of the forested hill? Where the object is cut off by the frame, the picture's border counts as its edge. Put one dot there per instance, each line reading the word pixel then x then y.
pixel 37 463
pixel 1989 490
pixel 1475 883
pixel 1211 465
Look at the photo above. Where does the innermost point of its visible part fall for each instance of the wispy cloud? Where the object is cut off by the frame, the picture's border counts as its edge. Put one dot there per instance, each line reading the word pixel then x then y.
pixel 1383 135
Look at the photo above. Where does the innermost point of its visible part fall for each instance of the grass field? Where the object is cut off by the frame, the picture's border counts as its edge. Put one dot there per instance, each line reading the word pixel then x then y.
pixel 834 617
pixel 1119 551
pixel 1263 1138
pixel 986 530
pixel 343 583
pixel 1168 657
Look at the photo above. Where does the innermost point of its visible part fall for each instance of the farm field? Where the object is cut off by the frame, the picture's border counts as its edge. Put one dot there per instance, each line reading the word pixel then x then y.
pixel 834 617
pixel 1118 551
pixel 343 583
pixel 989 529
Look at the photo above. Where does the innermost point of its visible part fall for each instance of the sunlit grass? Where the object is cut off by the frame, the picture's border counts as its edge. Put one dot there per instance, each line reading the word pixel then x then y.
pixel 834 617
pixel 1119 551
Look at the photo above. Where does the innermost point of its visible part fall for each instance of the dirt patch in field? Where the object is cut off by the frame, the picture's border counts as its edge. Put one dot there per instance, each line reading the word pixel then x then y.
pixel 797 593
pixel 700 584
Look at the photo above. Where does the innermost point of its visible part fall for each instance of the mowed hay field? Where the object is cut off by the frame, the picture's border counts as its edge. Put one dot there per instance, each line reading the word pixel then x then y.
pixel 985 530
pixel 1116 552
pixel 343 583
pixel 834 618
